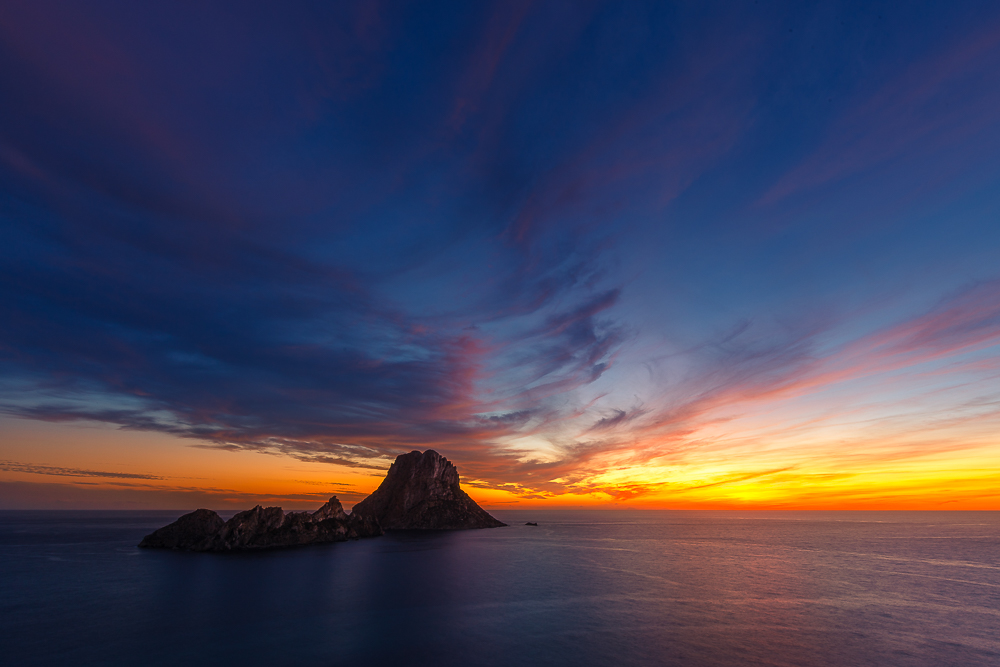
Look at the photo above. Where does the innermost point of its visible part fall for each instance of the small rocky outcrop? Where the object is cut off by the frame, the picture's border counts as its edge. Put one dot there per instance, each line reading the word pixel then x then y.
pixel 421 492
pixel 261 528
pixel 191 532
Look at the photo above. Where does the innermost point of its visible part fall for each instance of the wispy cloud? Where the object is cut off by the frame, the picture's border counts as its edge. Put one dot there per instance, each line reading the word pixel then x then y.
pixel 11 466
pixel 906 115
pixel 541 238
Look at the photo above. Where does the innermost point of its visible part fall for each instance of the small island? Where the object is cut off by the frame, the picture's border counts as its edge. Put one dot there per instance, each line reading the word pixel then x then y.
pixel 420 491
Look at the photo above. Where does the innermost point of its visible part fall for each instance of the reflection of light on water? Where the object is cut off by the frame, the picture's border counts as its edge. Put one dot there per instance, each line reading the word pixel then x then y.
pixel 587 587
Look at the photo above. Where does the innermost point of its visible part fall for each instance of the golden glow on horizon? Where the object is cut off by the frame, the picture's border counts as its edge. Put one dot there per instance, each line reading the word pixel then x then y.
pixel 179 472
pixel 808 450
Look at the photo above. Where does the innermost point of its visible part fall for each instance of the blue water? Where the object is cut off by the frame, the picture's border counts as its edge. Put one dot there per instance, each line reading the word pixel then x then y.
pixel 583 588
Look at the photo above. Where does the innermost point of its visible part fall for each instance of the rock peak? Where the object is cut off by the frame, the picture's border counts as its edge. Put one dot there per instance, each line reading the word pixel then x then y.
pixel 421 491
pixel 331 510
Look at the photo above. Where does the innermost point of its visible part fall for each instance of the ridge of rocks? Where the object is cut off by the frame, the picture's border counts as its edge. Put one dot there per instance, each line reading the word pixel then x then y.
pixel 261 528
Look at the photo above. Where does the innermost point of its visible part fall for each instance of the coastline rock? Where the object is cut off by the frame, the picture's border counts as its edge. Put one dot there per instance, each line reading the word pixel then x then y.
pixel 192 532
pixel 261 528
pixel 249 529
pixel 421 492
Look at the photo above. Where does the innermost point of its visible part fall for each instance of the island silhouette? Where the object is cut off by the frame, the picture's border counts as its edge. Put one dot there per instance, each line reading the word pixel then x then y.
pixel 420 491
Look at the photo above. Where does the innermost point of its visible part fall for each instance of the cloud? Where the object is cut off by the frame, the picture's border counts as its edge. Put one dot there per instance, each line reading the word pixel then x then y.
pixel 11 466
pixel 743 372
pixel 124 495
pixel 908 114
pixel 339 234
pixel 151 291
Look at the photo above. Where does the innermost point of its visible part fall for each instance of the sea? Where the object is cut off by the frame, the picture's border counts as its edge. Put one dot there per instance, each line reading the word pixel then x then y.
pixel 581 588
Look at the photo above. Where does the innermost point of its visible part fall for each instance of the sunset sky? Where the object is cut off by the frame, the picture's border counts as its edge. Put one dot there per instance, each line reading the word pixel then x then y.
pixel 651 255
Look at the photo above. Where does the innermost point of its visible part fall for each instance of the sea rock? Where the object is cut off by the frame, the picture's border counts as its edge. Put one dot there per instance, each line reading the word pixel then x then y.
pixel 191 532
pixel 421 492
pixel 261 528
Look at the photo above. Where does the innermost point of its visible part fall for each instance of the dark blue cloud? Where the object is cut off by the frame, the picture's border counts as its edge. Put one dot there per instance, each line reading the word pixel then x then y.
pixel 214 230
pixel 339 230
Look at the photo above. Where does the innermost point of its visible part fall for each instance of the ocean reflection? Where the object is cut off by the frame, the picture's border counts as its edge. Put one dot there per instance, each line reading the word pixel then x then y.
pixel 581 588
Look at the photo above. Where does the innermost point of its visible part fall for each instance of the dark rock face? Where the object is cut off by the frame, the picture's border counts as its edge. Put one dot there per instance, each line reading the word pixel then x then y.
pixel 191 532
pixel 421 492
pixel 331 510
pixel 261 528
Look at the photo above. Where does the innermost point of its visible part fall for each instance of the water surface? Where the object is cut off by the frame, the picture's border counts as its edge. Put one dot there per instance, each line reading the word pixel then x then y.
pixel 582 588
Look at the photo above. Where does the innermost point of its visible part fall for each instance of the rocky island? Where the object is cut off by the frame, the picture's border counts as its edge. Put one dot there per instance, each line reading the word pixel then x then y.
pixel 420 492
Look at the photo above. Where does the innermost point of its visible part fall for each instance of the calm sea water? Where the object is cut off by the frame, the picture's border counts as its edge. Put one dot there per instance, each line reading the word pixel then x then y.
pixel 583 588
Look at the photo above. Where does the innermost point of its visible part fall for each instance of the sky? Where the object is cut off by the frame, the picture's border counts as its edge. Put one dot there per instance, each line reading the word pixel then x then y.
pixel 599 254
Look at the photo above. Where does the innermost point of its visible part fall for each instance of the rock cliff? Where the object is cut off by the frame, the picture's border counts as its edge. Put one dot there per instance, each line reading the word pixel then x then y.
pixel 421 492
pixel 261 528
